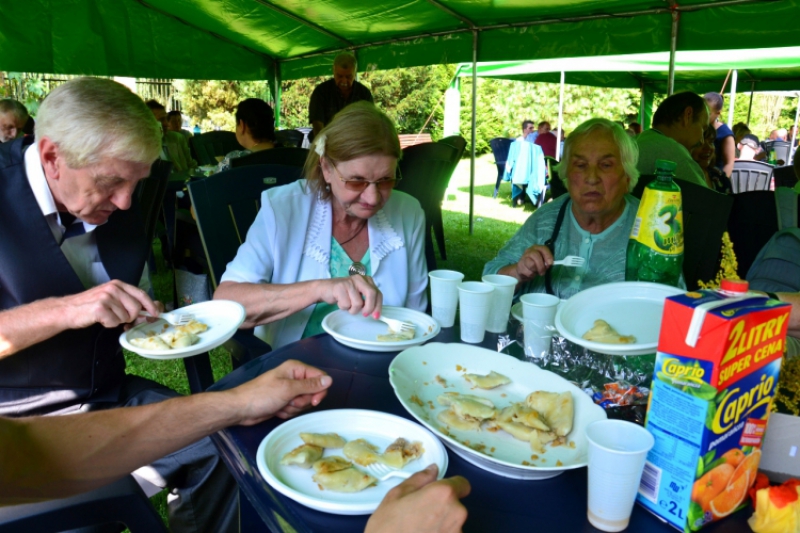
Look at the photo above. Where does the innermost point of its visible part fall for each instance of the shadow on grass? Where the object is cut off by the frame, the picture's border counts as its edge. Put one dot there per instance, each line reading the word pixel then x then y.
pixel 503 195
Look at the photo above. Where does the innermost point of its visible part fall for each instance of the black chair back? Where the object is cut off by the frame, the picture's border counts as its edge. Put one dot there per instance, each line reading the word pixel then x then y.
pixel 151 192
pixel 226 204
pixel 292 157
pixel 750 176
pixel 782 151
pixel 426 169
pixel 207 146
pixel 705 219
pixel 289 138
pixel 458 142
pixel 500 147
pixel 784 176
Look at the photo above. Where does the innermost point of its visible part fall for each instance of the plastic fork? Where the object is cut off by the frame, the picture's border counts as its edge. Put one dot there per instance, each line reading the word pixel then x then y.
pixel 397 325
pixel 571 261
pixel 174 318
pixel 383 472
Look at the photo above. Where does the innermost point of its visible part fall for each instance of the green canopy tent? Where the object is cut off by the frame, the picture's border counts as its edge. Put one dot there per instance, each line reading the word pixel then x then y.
pixel 288 39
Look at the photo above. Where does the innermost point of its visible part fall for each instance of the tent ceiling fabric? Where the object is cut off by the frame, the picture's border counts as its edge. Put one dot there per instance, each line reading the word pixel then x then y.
pixel 699 71
pixel 248 39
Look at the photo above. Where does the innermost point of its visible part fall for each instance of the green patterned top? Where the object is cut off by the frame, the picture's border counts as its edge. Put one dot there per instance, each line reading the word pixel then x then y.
pixel 340 268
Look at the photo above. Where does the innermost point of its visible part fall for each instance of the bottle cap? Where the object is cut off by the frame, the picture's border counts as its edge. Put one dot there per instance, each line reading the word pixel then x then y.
pixel 662 165
pixel 738 286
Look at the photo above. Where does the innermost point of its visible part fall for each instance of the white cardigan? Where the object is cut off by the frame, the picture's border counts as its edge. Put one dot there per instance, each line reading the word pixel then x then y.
pixel 290 241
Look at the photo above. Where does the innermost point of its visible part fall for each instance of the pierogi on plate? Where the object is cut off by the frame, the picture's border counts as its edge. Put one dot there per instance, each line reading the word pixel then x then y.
pixel 172 338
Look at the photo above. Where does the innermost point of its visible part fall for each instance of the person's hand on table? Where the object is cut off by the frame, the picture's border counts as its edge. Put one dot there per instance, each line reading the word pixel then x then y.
pixel 284 392
pixel 422 505
pixel 533 263
pixel 353 294
pixel 110 304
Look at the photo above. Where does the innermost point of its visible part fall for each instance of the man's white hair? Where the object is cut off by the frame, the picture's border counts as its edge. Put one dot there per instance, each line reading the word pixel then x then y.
pixel 92 119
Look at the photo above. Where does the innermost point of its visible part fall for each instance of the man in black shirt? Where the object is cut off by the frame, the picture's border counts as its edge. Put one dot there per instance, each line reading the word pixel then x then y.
pixel 333 95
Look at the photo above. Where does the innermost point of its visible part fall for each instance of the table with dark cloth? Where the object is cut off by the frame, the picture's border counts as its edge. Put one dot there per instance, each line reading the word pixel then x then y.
pixel 361 381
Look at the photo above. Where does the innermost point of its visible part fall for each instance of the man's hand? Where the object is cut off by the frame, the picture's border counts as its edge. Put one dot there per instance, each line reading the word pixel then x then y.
pixel 422 505
pixel 354 294
pixel 534 262
pixel 109 304
pixel 283 392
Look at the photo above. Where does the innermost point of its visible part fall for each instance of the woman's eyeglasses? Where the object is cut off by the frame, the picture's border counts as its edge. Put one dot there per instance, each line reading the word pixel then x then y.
pixel 360 185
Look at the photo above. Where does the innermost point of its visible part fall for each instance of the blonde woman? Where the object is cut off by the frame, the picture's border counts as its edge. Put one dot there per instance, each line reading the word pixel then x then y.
pixel 341 238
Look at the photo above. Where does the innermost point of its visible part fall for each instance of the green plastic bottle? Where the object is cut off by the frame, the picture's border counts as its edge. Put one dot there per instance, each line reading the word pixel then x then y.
pixel 655 248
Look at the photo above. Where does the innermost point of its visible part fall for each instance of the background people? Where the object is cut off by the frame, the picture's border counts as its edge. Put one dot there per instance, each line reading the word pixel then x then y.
pixel 332 96
pixel 724 144
pixel 255 129
pixel 13 118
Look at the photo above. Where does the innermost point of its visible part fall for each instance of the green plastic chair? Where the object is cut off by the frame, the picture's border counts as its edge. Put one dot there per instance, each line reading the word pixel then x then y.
pixel 207 146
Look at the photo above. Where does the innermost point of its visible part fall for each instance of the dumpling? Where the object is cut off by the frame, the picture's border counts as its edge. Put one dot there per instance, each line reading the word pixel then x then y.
pixel 468 408
pixel 179 338
pixel 452 420
pixel 539 438
pixel 334 463
pixel 603 332
pixel 151 343
pixel 516 430
pixel 346 480
pixel 490 381
pixel 397 336
pixel 401 452
pixel 323 440
pixel 193 326
pixel 529 417
pixel 557 409
pixel 303 456
pixel 448 397
pixel 361 452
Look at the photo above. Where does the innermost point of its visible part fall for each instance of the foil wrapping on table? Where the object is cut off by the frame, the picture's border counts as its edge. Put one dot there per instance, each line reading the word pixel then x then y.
pixel 591 371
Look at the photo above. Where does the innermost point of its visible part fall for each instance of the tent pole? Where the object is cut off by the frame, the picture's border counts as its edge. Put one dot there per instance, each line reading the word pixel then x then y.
pixel 276 94
pixel 794 137
pixel 641 104
pixel 750 107
pixel 560 117
pixel 733 96
pixel 474 105
pixel 673 46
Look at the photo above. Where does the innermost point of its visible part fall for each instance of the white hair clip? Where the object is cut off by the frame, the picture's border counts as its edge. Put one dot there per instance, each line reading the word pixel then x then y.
pixel 319 145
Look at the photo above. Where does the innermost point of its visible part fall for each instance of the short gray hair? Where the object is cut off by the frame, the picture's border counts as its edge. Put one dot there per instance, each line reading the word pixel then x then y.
pixel 91 119
pixel 628 149
pixel 345 60
pixel 8 105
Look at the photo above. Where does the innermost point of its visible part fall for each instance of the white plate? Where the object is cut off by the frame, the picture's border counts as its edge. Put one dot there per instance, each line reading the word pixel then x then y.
pixel 630 307
pixel 362 332
pixel 413 372
pixel 380 429
pixel 222 317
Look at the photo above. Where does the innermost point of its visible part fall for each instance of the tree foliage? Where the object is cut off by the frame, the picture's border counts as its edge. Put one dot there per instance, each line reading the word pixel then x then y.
pixel 212 103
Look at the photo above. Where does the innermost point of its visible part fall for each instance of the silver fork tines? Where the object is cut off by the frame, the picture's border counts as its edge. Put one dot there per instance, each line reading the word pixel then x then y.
pixel 174 318
pixel 571 261
pixel 383 472
pixel 397 325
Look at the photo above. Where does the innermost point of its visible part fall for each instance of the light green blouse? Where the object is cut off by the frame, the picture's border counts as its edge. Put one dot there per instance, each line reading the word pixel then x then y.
pixel 340 268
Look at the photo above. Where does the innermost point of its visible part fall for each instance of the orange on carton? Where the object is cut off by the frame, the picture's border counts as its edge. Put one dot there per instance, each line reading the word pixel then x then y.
pixel 717 365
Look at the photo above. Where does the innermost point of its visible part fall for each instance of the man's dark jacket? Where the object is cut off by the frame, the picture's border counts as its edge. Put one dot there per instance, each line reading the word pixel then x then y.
pixel 74 366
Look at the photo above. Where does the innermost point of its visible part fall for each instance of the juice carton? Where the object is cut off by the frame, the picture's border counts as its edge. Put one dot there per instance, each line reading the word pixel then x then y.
pixel 716 372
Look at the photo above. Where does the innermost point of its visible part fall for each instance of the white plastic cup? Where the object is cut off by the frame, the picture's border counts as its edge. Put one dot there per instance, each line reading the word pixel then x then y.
pixel 474 300
pixel 617 453
pixel 538 319
pixel 501 301
pixel 444 296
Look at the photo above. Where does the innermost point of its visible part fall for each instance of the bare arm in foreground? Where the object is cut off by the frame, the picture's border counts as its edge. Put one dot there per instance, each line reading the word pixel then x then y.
pixel 53 457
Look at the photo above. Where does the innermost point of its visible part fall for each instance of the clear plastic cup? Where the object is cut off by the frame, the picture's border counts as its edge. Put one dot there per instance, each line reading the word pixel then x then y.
pixel 474 301
pixel 617 453
pixel 444 296
pixel 501 301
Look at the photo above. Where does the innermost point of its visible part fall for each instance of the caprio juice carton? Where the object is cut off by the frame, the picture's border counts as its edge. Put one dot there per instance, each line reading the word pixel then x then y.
pixel 716 372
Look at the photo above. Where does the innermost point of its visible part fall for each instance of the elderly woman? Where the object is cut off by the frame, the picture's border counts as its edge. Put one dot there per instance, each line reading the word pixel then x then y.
pixel 593 221
pixel 339 239
pixel 255 130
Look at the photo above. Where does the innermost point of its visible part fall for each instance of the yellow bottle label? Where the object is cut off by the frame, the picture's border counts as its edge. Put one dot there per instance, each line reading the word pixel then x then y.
pixel 659 222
